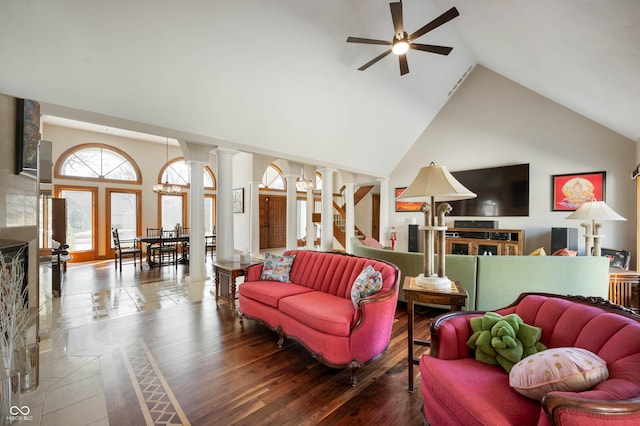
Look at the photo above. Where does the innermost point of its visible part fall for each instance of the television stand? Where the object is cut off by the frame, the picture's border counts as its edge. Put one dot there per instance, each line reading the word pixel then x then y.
pixel 485 241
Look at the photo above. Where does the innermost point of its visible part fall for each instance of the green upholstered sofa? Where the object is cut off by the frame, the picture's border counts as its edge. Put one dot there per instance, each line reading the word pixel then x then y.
pixel 495 281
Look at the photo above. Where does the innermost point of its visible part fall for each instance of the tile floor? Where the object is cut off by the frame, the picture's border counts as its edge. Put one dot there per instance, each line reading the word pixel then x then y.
pixel 70 390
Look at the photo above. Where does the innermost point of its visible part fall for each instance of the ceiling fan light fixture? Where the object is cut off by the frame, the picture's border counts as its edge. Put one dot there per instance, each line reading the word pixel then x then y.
pixel 400 47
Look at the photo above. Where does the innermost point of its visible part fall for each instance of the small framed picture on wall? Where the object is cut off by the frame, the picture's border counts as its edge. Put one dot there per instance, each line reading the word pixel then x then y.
pixel 238 200
pixel 407 206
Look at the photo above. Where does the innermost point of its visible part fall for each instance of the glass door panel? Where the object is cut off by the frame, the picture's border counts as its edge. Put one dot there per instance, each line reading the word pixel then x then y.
pixel 209 214
pixel 172 211
pixel 81 221
pixel 123 215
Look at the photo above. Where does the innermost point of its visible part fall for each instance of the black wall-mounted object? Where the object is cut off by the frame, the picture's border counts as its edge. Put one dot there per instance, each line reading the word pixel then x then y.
pixel 501 191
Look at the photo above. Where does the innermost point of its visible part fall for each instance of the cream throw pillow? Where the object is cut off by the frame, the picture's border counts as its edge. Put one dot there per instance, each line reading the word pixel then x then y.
pixel 538 252
pixel 557 369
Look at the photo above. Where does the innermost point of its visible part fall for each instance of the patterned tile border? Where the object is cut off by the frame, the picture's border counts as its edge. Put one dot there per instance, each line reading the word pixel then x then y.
pixel 157 402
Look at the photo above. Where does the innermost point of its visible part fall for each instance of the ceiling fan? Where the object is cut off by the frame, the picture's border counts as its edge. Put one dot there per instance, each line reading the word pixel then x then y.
pixel 402 42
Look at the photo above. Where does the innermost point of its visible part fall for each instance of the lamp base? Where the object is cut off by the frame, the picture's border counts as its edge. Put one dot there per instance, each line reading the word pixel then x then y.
pixel 433 281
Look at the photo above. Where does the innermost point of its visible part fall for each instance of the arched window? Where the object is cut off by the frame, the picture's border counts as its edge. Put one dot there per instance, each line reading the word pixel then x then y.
pixel 177 172
pixel 272 178
pixel 99 162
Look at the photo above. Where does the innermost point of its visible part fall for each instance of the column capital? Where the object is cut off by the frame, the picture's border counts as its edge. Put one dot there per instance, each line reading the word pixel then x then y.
pixel 324 170
pixel 226 151
pixel 196 162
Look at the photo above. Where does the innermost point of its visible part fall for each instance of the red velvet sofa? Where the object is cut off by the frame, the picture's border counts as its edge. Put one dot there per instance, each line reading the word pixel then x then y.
pixel 315 307
pixel 458 390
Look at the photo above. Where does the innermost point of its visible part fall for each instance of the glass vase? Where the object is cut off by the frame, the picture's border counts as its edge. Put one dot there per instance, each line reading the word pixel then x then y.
pixel 9 397
pixel 27 362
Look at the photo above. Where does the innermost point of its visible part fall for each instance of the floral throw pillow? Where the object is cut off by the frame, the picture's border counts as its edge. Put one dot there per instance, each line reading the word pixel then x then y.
pixel 368 282
pixel 276 268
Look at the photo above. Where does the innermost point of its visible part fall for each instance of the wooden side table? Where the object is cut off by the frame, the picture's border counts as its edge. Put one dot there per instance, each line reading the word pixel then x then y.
pixel 230 270
pixel 454 296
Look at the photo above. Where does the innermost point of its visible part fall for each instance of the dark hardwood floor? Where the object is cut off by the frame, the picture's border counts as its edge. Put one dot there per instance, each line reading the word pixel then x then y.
pixel 206 367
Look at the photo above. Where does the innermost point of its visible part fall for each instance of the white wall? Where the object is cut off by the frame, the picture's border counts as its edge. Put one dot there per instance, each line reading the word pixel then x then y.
pixel 492 121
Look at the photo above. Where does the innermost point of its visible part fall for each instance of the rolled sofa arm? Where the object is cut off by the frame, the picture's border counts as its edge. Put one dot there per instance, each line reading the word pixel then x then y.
pixel 449 335
pixel 371 333
pixel 565 408
pixel 254 272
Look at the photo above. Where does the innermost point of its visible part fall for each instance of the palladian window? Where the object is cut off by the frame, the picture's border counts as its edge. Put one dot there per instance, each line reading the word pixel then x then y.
pixel 177 172
pixel 98 161
pixel 272 178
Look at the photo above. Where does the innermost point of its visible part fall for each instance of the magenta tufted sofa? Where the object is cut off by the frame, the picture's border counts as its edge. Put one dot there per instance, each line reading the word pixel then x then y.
pixel 458 390
pixel 316 309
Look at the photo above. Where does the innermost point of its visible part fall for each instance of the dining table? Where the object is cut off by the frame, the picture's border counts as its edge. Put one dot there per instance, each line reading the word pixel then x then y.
pixel 149 241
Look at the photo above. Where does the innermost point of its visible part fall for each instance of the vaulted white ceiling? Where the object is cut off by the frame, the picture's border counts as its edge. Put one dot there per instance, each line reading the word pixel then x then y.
pixel 277 77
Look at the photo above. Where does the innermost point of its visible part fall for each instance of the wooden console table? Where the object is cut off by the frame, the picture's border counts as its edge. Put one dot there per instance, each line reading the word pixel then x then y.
pixel 455 296
pixel 476 241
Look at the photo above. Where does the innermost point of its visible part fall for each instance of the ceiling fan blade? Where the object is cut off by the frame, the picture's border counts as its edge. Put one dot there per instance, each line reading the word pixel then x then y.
pixel 374 60
pixel 404 65
pixel 440 50
pixel 367 41
pixel 442 19
pixel 396 15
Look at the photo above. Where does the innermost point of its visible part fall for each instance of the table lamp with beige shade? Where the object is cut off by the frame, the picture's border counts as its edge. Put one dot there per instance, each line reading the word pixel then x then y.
pixel 594 211
pixel 436 184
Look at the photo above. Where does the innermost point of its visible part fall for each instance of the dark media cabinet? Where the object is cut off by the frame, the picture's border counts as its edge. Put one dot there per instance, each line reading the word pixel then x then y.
pixel 484 241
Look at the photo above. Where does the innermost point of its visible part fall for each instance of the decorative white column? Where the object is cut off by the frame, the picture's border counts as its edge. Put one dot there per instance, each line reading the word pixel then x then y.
pixel 292 213
pixel 326 238
pixel 196 156
pixel 311 229
pixel 254 218
pixel 224 210
pixel 385 201
pixel 350 221
pixel 196 221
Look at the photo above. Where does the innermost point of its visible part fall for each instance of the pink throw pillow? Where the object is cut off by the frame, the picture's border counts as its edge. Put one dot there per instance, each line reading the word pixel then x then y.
pixel 372 242
pixel 565 252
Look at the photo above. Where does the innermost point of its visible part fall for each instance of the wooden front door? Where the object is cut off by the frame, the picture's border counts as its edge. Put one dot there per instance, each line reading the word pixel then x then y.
pixel 273 221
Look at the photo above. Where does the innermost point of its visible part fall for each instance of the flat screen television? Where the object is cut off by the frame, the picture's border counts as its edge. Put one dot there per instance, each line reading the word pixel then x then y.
pixel 502 191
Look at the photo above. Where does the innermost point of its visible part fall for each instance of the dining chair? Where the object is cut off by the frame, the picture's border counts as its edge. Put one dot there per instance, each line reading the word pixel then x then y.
pixel 167 249
pixel 152 248
pixel 184 245
pixel 210 245
pixel 127 251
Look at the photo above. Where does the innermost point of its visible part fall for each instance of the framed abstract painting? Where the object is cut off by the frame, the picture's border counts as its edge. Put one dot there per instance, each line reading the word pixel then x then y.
pixel 27 136
pixel 571 190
